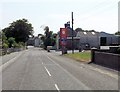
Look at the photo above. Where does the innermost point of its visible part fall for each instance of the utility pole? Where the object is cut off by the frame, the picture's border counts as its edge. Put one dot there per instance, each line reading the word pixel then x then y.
pixel 72 35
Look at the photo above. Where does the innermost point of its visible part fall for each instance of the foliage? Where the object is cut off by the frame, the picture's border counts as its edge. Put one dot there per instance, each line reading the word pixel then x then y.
pixel 79 30
pixel 4 38
pixel 4 45
pixel 49 39
pixel 20 30
pixel 118 50
pixel 21 44
pixel 47 33
pixel 11 42
pixel 16 45
pixel 117 33
pixel 4 41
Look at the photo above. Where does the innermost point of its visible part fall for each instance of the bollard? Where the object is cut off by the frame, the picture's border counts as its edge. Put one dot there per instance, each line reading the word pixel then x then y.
pixel 93 54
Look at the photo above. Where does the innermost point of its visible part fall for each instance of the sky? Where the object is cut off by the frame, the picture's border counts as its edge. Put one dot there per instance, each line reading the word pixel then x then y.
pixel 98 15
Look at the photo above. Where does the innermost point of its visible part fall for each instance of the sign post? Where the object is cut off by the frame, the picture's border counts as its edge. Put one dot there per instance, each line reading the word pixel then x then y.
pixel 72 36
pixel 63 39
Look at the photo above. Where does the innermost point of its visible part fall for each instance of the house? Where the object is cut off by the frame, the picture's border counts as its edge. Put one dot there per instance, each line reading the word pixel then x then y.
pixel 37 42
pixel 34 41
pixel 30 41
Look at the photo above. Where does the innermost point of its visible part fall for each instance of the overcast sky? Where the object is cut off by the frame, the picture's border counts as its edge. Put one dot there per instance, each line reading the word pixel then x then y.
pixel 100 15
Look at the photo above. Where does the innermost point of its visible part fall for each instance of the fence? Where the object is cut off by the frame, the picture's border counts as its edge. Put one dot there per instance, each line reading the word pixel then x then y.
pixel 106 59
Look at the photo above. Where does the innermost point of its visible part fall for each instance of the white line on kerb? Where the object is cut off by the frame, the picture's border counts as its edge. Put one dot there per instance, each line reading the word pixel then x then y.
pixel 57 88
pixel 47 71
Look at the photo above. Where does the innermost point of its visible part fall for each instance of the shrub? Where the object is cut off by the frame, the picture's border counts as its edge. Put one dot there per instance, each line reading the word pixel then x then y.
pixel 11 42
pixel 5 45
pixel 118 50
pixel 15 45
pixel 21 44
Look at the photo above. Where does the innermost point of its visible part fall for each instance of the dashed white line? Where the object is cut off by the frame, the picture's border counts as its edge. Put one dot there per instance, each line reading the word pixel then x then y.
pixel 57 88
pixel 47 71
pixel 69 73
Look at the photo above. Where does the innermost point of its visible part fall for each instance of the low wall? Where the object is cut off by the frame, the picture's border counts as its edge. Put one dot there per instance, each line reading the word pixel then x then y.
pixel 10 50
pixel 106 59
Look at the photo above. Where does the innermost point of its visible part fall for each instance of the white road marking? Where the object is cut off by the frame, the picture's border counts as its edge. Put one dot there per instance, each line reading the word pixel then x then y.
pixel 95 69
pixel 47 71
pixel 51 60
pixel 57 88
pixel 42 63
pixel 68 73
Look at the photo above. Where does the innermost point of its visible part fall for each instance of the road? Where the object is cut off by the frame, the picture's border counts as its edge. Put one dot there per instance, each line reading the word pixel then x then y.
pixel 36 69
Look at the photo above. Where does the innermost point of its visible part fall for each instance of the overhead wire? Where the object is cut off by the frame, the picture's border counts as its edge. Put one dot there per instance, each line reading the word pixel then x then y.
pixel 100 10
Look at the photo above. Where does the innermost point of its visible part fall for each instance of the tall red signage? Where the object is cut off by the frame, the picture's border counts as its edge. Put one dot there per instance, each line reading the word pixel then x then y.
pixel 63 36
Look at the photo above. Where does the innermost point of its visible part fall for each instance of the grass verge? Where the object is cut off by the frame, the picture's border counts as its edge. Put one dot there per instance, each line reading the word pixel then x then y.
pixel 80 56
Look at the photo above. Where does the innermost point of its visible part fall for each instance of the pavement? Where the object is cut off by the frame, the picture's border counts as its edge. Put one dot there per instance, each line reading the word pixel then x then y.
pixel 37 69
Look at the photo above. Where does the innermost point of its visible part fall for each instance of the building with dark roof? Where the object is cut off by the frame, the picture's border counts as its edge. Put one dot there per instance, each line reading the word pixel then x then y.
pixel 87 40
pixel 97 39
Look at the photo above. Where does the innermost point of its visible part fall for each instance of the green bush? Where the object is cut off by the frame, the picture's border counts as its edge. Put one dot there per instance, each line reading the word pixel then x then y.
pixel 21 44
pixel 5 45
pixel 11 42
pixel 15 45
pixel 118 50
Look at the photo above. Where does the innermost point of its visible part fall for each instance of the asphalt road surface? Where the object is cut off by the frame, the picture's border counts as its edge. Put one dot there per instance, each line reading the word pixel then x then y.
pixel 37 69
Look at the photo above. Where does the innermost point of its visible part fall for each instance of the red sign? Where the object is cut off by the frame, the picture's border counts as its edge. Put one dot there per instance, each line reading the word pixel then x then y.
pixel 63 36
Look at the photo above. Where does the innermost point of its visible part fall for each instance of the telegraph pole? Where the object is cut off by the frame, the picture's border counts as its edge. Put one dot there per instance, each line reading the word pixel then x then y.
pixel 72 36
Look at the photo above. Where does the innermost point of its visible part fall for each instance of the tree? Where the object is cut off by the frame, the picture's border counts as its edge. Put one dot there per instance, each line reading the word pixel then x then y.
pixel 20 30
pixel 53 39
pixel 117 33
pixel 49 39
pixel 79 30
pixel 47 33
pixel 11 42
pixel 4 40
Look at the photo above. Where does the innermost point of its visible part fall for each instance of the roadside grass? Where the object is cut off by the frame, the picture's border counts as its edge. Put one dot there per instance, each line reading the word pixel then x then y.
pixel 80 56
